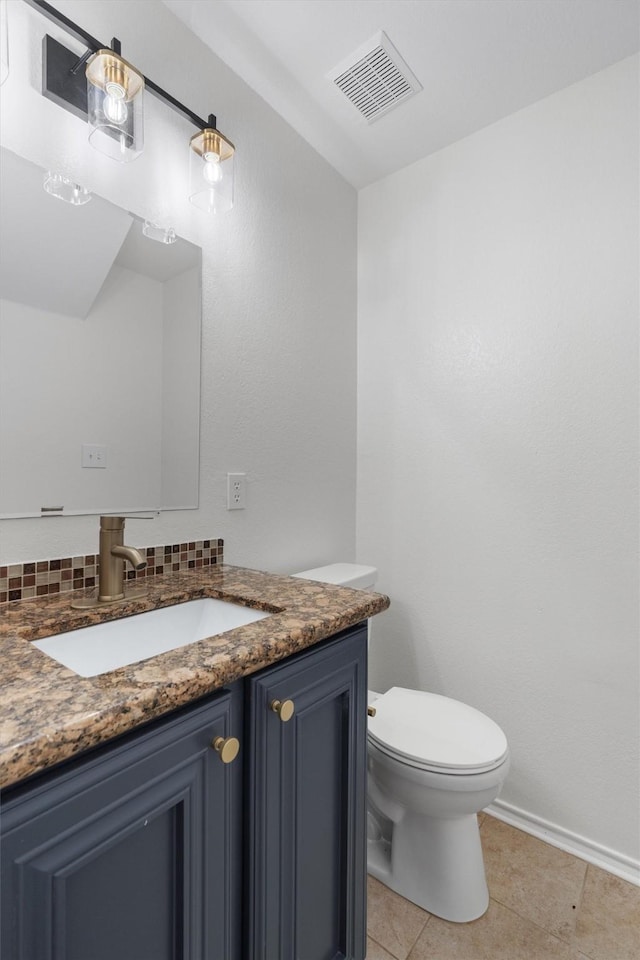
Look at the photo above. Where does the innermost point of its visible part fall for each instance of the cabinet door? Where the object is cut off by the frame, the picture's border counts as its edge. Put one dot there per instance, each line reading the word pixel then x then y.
pixel 307 806
pixel 131 853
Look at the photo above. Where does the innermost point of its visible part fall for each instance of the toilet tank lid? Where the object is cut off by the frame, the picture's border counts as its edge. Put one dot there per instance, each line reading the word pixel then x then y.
pixel 355 575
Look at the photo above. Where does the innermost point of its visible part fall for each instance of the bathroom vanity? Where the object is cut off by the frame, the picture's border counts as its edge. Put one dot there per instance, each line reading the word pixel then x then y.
pixel 148 844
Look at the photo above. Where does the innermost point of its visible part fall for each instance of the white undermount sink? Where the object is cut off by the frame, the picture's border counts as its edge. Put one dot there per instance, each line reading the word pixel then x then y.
pixel 91 651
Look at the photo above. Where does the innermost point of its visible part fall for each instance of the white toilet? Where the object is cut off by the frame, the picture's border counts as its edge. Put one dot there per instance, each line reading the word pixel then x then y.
pixel 433 764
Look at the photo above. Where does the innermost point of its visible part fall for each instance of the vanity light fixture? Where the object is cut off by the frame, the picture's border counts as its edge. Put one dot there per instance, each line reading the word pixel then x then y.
pixel 115 93
pixel 64 189
pixel 211 170
pixel 111 100
pixel 154 231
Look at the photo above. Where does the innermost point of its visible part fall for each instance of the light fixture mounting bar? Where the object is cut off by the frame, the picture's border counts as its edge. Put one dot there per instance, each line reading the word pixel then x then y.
pixel 93 44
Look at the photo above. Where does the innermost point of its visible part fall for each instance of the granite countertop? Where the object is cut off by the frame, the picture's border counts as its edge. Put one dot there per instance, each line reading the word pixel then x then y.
pixel 48 713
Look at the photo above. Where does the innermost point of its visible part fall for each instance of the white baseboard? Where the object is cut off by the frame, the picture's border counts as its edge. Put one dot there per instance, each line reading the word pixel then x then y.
pixel 617 863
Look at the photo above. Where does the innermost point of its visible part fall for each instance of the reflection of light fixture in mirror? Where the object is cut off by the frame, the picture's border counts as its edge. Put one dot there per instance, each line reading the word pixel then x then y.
pixel 211 170
pixel 156 232
pixel 4 42
pixel 114 101
pixel 64 189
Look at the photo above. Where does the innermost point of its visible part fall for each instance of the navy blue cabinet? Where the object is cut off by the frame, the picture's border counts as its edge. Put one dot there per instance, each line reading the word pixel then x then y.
pixel 130 853
pixel 153 848
pixel 306 805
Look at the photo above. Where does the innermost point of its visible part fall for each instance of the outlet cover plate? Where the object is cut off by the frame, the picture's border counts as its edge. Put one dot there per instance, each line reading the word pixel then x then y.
pixel 236 491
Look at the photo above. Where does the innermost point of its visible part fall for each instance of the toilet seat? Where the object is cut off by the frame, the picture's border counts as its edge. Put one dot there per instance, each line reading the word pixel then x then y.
pixel 436 733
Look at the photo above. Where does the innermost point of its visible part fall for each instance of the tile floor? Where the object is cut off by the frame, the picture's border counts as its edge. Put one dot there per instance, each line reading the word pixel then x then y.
pixel 545 905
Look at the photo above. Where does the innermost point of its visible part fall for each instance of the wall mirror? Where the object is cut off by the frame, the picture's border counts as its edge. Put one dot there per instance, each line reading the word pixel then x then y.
pixel 100 330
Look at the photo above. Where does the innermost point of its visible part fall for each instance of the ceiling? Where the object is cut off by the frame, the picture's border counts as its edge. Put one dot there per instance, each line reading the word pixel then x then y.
pixel 477 61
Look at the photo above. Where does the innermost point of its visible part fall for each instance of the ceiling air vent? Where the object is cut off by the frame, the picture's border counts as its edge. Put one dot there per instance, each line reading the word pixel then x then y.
pixel 375 78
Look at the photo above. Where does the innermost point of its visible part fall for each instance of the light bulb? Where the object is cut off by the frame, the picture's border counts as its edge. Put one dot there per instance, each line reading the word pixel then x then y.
pixel 115 109
pixel 114 106
pixel 211 170
pixel 115 90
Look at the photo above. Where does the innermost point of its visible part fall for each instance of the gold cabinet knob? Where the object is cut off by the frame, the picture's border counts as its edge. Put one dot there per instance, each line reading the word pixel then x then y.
pixel 284 708
pixel 371 711
pixel 227 748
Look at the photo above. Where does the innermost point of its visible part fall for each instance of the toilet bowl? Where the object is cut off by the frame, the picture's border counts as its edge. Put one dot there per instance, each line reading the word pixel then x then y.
pixel 433 764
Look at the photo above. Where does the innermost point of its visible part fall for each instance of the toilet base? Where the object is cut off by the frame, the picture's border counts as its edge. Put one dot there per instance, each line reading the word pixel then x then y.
pixel 434 862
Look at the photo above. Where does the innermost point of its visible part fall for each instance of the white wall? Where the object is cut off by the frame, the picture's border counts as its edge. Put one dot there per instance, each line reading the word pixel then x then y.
pixel 497 472
pixel 279 294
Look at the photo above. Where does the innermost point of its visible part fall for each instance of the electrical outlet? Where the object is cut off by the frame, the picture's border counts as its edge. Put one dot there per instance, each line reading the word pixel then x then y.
pixel 236 491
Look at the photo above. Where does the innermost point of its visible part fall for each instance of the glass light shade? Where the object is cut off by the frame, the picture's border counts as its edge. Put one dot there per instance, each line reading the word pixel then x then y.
pixel 156 231
pixel 4 42
pixel 115 92
pixel 64 189
pixel 211 171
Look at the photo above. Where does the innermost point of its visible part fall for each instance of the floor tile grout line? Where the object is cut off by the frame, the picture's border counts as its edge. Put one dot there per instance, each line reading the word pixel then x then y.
pixel 581 897
pixel 395 955
pixel 424 927
pixel 386 949
pixel 578 911
pixel 569 943
pixel 381 945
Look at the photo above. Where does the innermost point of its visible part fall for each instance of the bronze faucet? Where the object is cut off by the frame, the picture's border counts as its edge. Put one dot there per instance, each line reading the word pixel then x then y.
pixel 113 554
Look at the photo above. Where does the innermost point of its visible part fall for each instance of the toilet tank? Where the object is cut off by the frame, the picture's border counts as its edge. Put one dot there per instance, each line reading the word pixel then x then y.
pixel 355 575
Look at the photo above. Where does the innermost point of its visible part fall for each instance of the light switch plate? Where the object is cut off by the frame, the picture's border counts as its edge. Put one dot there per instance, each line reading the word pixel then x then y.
pixel 94 456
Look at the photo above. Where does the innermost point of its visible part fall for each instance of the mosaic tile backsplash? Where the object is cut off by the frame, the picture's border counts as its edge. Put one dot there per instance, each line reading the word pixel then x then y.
pixel 39 578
